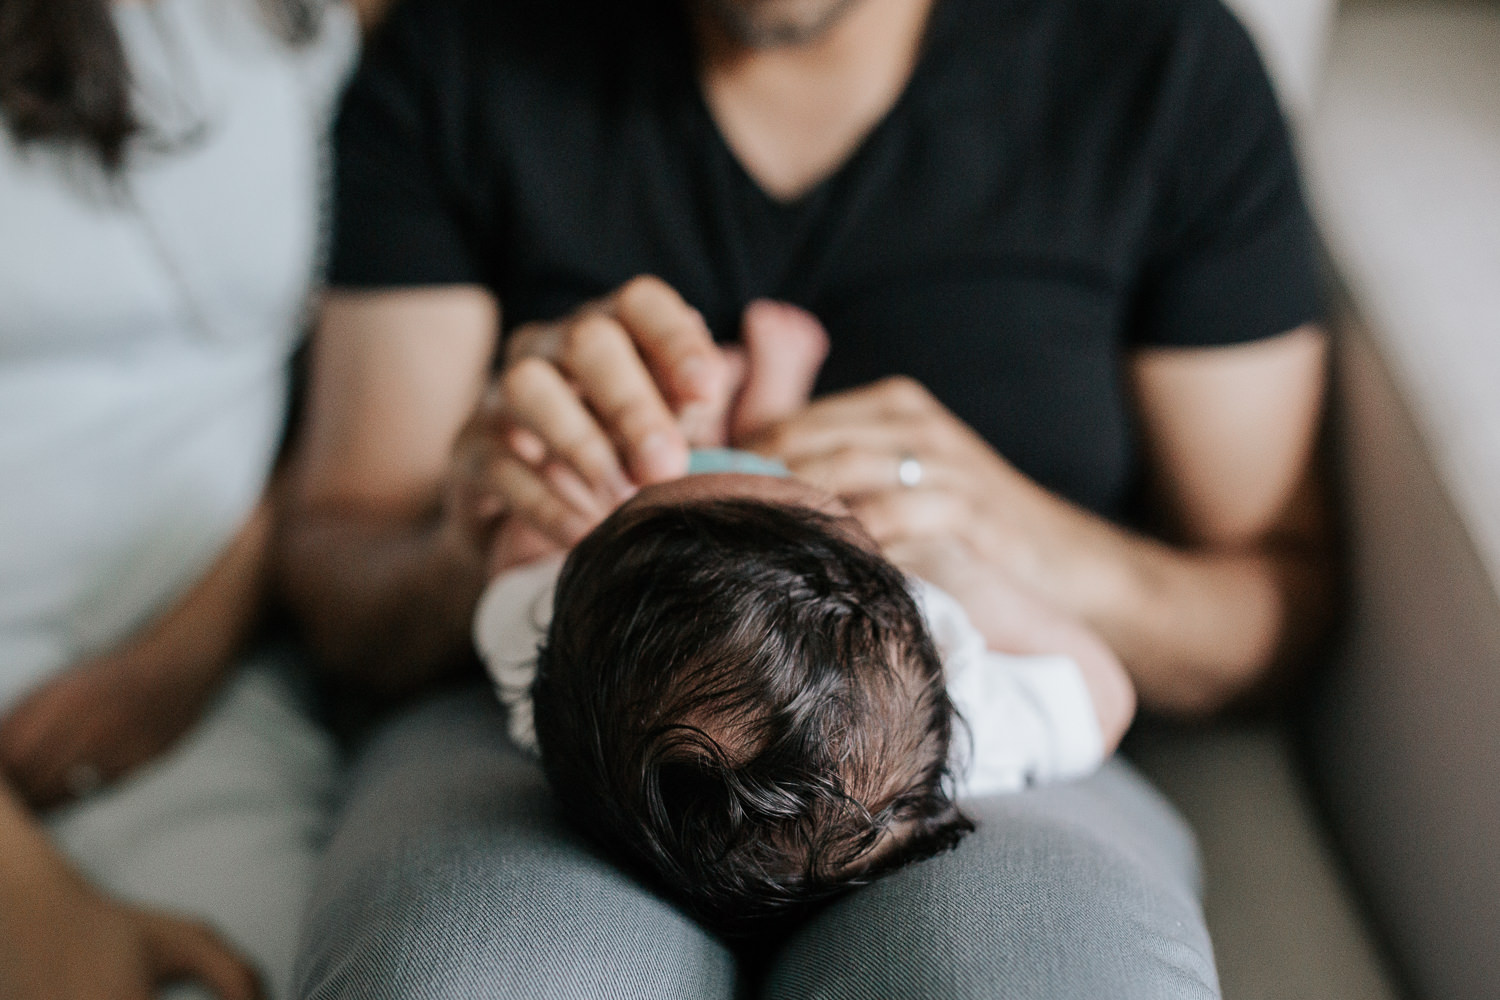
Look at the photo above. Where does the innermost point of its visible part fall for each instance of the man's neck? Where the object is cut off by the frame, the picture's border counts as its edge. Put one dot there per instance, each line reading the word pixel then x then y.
pixel 793 113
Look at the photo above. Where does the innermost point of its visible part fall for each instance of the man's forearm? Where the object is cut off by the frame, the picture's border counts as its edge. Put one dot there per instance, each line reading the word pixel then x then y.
pixel 1200 630
pixel 386 604
pixel 1197 627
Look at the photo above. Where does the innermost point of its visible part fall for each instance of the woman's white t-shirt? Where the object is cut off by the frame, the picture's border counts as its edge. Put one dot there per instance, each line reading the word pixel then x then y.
pixel 146 322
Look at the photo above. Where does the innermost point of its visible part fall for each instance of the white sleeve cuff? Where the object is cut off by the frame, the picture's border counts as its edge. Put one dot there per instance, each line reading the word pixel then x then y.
pixel 510 622
pixel 1029 720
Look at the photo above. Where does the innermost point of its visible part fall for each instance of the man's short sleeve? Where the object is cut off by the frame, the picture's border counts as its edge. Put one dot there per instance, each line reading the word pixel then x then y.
pixel 399 218
pixel 1233 254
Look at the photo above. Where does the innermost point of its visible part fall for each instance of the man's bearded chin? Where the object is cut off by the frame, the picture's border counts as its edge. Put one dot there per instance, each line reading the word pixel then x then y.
pixel 764 24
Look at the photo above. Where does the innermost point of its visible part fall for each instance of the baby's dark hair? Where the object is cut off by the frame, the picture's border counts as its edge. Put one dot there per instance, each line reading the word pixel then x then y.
pixel 745 704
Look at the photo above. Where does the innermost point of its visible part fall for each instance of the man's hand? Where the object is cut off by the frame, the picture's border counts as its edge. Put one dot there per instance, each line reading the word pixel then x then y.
pixel 1013 621
pixel 98 722
pixel 1237 586
pixel 592 407
pixel 62 940
pixel 586 409
pixel 858 445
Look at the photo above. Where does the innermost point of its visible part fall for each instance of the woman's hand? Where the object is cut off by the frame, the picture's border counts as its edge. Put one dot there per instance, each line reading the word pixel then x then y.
pixel 62 940
pixel 110 714
pixel 98 722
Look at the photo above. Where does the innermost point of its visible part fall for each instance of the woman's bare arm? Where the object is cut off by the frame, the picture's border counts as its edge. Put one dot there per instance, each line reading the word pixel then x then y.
pixel 122 708
pixel 60 938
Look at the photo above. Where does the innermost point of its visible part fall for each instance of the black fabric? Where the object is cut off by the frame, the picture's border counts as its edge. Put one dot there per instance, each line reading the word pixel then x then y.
pixel 1062 182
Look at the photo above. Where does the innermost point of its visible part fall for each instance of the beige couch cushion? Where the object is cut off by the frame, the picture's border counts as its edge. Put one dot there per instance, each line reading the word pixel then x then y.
pixel 1403 152
pixel 1403 160
pixel 1285 924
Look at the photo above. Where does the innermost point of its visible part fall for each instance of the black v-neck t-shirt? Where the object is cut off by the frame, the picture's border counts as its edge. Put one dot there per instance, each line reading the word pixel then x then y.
pixel 1062 182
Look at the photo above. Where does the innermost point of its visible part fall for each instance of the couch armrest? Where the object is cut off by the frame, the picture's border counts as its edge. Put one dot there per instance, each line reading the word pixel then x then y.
pixel 1404 165
pixel 1405 732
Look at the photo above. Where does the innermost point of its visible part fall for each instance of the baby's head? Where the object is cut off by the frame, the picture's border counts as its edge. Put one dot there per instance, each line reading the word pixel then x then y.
pixel 739 695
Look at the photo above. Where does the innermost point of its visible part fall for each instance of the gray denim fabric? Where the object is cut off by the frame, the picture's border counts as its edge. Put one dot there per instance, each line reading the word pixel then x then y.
pixel 450 876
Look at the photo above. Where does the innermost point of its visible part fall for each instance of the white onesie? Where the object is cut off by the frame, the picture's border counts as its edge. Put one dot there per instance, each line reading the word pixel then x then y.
pixel 1031 718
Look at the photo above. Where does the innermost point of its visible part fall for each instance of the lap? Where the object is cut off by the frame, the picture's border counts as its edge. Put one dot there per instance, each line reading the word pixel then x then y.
pixel 451 875
pixel 226 826
pixel 1079 890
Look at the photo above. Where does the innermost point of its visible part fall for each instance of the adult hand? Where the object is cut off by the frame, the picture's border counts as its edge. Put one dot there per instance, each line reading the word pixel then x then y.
pixel 927 487
pixel 586 409
pixel 589 408
pixel 98 722
pixel 62 940
pixel 771 375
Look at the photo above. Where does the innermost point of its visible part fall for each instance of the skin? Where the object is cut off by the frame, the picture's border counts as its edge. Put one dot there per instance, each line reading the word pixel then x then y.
pixel 1237 584
pixel 413 455
pixel 793 113
pixel 62 939
pixel 771 23
pixel 114 712
pixel 125 706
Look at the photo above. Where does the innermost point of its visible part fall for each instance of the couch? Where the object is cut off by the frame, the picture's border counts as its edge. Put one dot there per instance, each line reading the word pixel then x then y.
pixel 1351 842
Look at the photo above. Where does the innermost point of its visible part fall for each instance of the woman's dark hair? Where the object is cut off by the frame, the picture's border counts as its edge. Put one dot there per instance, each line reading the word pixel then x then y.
pixel 63 74
pixel 746 705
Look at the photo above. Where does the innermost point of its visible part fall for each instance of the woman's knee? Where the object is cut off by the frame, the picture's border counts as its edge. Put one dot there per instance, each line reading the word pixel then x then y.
pixel 1063 893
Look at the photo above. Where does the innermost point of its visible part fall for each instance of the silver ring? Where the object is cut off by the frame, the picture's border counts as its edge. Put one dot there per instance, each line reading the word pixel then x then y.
pixel 83 780
pixel 909 471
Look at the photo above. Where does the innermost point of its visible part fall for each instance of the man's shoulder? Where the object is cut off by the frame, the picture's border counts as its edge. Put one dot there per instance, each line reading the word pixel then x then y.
pixel 1094 28
pixel 1083 64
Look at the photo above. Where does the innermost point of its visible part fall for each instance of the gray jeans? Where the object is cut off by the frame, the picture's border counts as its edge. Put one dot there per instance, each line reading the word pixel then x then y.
pixel 450 876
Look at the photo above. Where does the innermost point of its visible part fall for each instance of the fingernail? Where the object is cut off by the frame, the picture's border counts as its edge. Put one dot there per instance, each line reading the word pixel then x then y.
pixel 663 457
pixel 622 487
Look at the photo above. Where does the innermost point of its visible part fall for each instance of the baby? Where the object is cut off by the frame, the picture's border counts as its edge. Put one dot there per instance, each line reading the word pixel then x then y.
pixel 735 693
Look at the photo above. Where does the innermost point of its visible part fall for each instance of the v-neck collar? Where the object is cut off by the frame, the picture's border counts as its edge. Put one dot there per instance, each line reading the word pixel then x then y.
pixel 936 33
